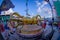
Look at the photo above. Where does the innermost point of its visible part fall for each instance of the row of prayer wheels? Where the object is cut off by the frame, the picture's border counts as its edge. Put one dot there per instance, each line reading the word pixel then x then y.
pixel 29 21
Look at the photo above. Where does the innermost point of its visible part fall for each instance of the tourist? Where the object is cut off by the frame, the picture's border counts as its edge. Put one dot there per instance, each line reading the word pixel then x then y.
pixel 59 25
pixel 1 30
pixel 56 31
pixel 2 26
pixel 47 31
pixel 1 37
pixel 43 24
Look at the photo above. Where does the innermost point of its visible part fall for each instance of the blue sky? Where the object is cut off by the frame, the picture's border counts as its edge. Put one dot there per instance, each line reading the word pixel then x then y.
pixel 20 7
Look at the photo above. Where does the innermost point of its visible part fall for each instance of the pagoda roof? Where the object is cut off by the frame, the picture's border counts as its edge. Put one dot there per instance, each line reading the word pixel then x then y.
pixel 6 5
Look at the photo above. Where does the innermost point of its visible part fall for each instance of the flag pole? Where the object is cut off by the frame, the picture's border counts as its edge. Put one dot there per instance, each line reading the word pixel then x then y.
pixel 26 7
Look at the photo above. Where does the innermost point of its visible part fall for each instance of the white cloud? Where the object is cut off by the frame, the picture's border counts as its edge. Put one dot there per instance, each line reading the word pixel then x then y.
pixel 48 10
pixel 44 3
pixel 44 10
pixel 39 10
pixel 38 3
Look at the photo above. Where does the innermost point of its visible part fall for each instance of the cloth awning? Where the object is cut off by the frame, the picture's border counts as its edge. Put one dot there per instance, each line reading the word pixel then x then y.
pixel 57 7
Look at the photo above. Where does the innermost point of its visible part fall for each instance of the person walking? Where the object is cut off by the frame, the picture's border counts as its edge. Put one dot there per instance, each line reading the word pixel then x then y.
pixel 1 30
pixel 56 31
pixel 47 31
pixel 1 37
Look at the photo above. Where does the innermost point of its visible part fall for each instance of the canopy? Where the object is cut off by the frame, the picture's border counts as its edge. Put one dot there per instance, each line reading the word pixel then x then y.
pixel 57 7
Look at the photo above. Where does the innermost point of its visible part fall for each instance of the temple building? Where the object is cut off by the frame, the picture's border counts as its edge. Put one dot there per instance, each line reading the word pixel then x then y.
pixel 6 7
